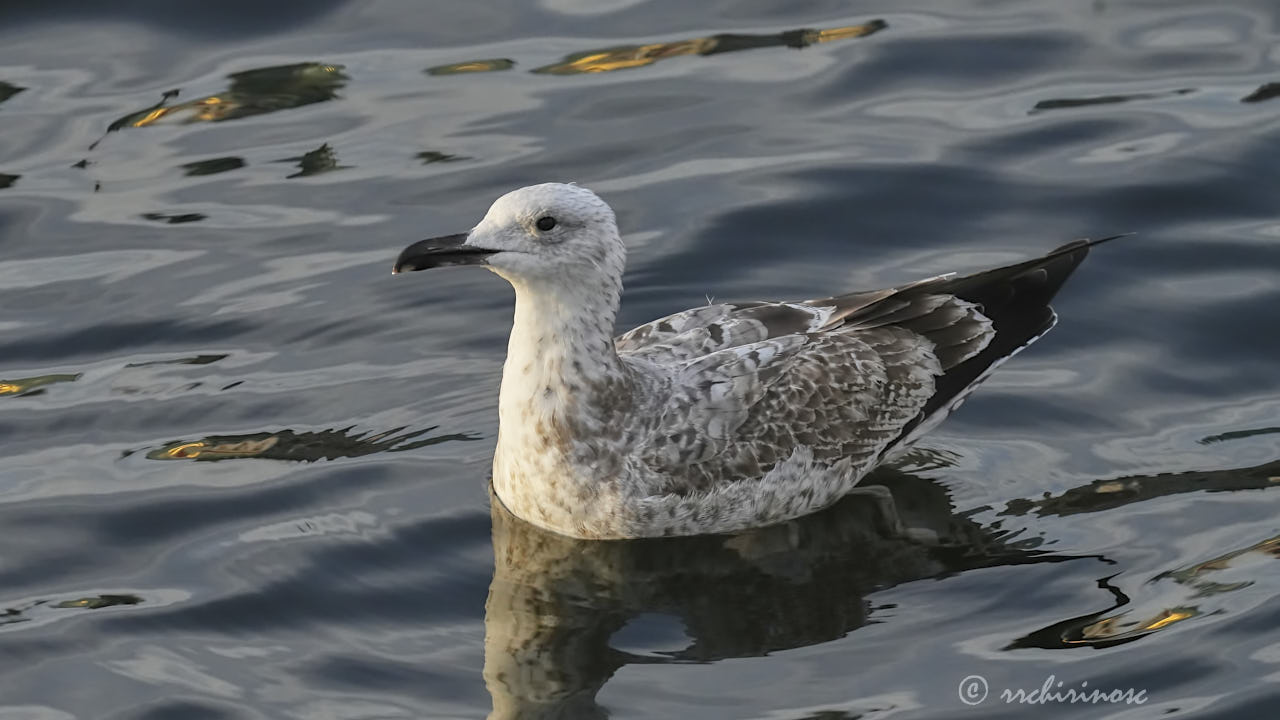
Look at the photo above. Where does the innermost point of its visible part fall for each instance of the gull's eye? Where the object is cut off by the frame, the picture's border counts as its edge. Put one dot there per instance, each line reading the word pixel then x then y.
pixel 545 223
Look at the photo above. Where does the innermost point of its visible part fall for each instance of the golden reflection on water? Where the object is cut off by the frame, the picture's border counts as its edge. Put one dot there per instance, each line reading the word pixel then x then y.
pixel 97 602
pixel 472 66
pixel 1169 617
pixel 216 450
pixel 283 87
pixel 1119 628
pixel 626 57
pixel 32 385
pixel 1192 584
pixel 24 613
pixel 1199 576
pixel 251 92
pixel 1199 583
pixel 1192 587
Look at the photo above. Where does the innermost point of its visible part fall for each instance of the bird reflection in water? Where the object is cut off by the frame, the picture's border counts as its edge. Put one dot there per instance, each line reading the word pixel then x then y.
pixel 556 604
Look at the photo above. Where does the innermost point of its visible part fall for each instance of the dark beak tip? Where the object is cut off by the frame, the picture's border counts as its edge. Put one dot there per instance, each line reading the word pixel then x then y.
pixel 438 252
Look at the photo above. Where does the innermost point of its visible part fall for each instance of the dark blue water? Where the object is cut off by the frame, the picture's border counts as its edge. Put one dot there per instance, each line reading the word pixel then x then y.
pixel 242 468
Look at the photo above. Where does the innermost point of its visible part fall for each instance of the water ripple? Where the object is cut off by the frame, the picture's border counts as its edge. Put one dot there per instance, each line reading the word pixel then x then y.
pixel 244 472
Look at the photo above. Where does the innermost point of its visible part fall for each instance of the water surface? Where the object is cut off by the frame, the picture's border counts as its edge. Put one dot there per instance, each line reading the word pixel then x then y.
pixel 242 469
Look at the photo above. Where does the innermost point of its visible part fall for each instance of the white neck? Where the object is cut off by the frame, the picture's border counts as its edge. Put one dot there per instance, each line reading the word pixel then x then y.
pixel 561 346
pixel 563 385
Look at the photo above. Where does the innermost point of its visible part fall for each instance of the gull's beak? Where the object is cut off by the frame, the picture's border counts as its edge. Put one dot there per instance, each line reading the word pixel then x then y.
pixel 439 252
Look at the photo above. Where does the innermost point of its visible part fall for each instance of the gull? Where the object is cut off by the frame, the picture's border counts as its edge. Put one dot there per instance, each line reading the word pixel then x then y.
pixel 727 416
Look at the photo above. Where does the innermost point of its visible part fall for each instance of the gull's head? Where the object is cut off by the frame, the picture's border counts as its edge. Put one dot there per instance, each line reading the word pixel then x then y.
pixel 551 231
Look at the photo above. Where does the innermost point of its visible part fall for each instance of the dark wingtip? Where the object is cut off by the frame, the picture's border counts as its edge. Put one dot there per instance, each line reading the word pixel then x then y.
pixel 1086 243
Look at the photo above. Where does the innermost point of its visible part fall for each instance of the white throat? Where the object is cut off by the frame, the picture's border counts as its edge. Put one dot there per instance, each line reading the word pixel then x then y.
pixel 564 390
pixel 561 346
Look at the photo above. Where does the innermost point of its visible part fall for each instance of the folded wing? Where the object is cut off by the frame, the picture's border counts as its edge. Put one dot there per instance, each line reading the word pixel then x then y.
pixel 858 375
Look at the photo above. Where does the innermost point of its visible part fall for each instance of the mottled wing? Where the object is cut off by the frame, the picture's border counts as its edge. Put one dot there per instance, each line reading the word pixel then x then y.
pixel 844 395
pixel 842 376
pixel 703 330
pixel 956 329
pixel 738 412
pixel 700 331
pixel 712 397
pixel 850 376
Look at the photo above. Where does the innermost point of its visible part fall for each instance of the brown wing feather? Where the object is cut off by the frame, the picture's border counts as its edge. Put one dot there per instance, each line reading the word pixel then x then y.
pixel 705 330
pixel 841 395
pixel 851 376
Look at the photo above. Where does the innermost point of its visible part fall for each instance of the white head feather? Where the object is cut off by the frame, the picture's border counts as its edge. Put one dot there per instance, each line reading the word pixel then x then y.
pixel 553 231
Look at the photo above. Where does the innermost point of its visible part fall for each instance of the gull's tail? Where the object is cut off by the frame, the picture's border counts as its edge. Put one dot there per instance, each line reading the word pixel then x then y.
pixel 1016 300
